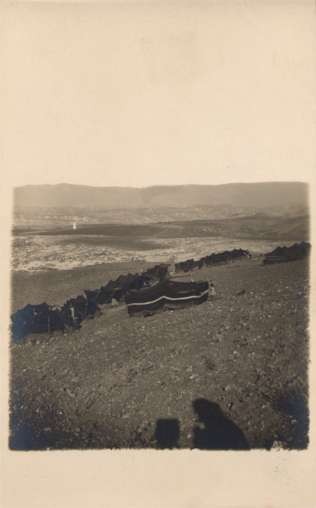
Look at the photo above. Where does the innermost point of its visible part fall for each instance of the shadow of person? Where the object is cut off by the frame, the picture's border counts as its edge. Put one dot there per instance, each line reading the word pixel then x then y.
pixel 167 433
pixel 215 431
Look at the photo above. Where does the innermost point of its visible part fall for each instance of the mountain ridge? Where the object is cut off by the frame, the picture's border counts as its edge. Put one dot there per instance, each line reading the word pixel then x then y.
pixel 261 195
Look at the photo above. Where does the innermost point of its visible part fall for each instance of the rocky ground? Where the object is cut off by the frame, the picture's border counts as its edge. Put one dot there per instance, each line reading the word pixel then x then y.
pixel 107 384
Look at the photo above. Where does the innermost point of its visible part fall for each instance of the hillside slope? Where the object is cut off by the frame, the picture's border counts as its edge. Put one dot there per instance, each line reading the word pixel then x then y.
pixel 109 383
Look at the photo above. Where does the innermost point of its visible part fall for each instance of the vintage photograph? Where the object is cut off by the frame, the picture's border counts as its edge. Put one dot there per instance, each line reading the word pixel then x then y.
pixel 160 317
pixel 161 158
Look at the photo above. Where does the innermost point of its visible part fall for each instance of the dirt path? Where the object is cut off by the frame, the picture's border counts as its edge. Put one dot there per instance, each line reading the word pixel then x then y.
pixel 107 384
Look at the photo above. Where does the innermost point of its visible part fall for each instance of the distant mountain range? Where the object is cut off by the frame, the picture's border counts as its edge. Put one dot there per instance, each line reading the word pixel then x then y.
pixel 258 195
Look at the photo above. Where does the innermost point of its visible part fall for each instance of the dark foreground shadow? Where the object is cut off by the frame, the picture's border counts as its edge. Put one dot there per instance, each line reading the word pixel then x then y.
pixel 293 404
pixel 214 430
pixel 167 433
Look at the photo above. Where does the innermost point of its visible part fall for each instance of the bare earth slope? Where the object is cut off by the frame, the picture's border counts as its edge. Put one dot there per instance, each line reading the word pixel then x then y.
pixel 108 383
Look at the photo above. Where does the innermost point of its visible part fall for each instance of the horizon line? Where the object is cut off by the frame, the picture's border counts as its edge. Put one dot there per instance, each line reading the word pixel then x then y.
pixel 160 185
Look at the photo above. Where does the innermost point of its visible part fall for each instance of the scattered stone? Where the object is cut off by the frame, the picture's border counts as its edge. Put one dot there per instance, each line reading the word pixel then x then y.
pixel 70 393
pixel 277 445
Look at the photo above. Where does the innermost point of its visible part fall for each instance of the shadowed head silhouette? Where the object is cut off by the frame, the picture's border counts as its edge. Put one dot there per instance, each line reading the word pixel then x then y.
pixel 167 433
pixel 214 430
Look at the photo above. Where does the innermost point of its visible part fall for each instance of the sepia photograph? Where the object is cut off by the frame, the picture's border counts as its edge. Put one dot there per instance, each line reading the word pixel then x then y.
pixel 160 317
pixel 159 203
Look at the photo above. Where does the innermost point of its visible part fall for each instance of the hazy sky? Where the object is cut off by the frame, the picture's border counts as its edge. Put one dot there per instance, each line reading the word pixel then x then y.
pixel 159 94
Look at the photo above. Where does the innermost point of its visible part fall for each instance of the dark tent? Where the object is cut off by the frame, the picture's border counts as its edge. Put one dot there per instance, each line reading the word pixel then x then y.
pixel 285 254
pixel 167 293
pixel 30 319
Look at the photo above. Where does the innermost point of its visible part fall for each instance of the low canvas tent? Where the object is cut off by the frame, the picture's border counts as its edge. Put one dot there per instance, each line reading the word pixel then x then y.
pixel 285 254
pixel 167 293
